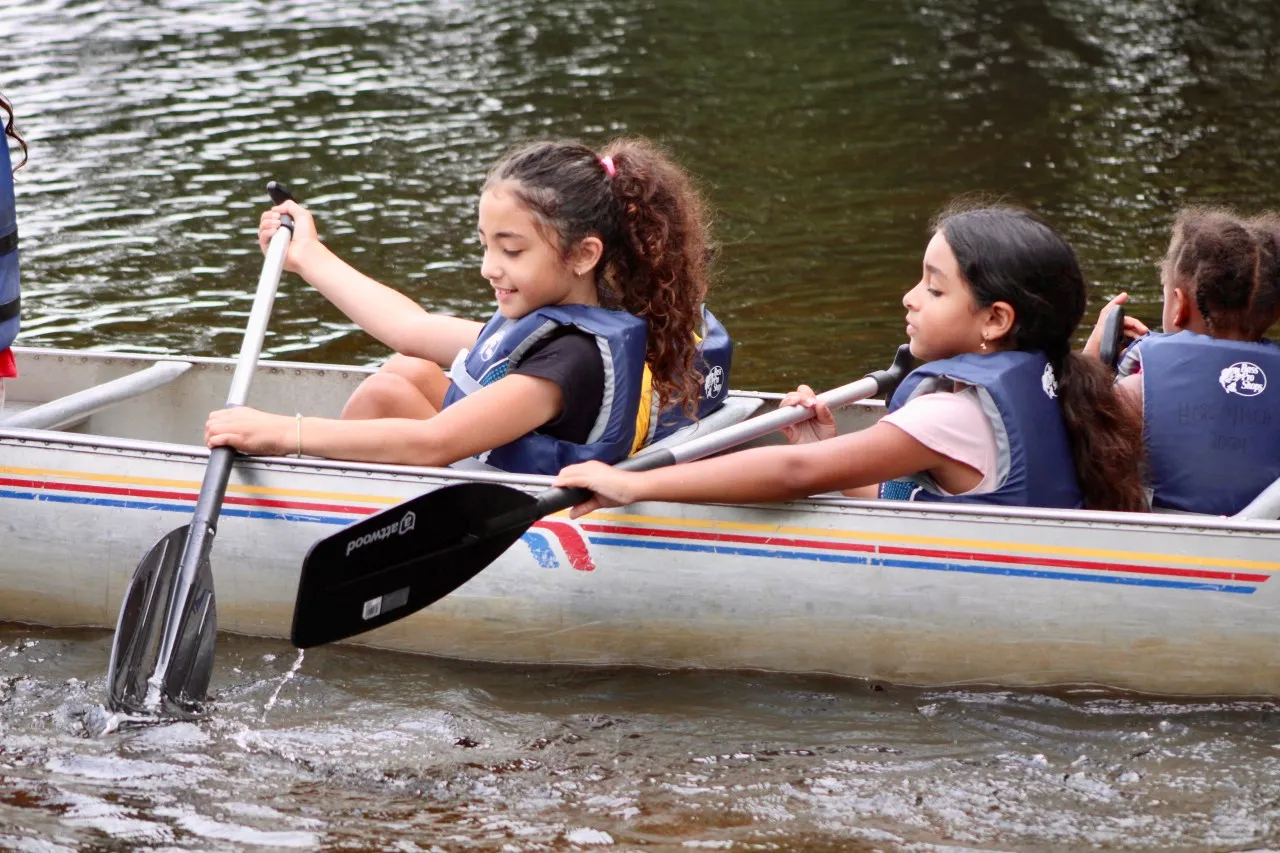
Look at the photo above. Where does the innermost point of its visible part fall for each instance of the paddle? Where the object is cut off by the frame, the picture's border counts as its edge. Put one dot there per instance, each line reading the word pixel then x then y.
pixel 162 654
pixel 1112 337
pixel 395 563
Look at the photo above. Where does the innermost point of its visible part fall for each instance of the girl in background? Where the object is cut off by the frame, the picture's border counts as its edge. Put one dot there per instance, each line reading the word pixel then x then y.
pixel 1210 415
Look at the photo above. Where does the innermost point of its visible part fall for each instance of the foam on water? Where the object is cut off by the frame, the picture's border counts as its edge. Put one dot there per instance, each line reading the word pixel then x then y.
pixel 372 749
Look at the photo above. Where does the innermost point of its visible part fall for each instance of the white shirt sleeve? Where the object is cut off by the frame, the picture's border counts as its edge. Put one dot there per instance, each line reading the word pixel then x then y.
pixel 953 423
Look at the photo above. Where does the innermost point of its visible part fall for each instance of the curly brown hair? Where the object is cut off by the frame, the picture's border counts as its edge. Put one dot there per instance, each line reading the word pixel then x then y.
pixel 652 221
pixel 1230 266
pixel 11 131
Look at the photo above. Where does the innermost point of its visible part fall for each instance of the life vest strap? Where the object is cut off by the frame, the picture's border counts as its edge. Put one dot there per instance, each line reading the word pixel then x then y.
pixel 10 309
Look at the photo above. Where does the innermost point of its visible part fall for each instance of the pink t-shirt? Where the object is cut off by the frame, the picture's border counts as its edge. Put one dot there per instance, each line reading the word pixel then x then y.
pixel 953 424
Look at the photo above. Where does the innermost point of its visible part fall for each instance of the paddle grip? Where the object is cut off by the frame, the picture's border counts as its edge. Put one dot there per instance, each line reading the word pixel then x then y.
pixel 1112 337
pixel 279 195
pixel 887 380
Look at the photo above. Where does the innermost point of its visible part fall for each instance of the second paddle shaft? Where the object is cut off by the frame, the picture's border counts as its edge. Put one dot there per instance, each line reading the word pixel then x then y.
pixel 878 382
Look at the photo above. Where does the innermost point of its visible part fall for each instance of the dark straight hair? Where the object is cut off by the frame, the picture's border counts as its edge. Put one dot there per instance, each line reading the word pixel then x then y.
pixel 1007 254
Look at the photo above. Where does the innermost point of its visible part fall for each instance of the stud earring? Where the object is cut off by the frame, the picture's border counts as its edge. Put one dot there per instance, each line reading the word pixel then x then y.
pixel 984 343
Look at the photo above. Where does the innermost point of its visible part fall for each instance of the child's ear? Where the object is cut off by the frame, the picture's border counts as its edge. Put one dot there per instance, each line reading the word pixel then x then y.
pixel 1000 319
pixel 1179 308
pixel 586 255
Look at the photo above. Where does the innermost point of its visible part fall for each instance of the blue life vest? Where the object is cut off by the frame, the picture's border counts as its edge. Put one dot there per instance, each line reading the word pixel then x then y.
pixel 1211 422
pixel 9 301
pixel 504 342
pixel 714 358
pixel 1018 392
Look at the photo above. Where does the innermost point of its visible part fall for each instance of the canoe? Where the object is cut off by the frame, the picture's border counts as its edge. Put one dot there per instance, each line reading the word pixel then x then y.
pixel 910 594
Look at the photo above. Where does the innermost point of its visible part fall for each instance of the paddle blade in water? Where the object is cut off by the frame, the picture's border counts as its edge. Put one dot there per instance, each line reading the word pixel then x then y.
pixel 396 562
pixel 135 652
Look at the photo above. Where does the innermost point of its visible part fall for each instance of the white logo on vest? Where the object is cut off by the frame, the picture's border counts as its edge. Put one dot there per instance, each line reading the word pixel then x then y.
pixel 1049 382
pixel 713 383
pixel 491 345
pixel 1244 378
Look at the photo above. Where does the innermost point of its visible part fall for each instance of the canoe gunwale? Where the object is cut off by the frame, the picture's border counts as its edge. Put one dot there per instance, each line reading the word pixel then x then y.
pixel 164 450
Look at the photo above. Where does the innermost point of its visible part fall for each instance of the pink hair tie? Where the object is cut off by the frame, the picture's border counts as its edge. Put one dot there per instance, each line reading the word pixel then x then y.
pixel 609 168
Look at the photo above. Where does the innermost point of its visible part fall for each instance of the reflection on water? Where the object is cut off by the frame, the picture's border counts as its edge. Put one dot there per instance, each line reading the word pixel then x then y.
pixel 370 750
pixel 826 132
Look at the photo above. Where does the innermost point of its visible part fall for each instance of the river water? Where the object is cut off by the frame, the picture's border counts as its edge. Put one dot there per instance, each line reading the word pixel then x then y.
pixel 825 132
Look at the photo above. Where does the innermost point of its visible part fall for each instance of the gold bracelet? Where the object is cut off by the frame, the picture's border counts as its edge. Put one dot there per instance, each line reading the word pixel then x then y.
pixel 298 418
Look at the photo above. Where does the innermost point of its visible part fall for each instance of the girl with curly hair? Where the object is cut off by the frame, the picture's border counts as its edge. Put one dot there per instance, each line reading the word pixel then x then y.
pixel 598 263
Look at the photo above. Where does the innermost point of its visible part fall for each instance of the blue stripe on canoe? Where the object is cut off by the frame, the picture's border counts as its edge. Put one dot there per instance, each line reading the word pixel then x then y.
pixel 169 507
pixel 677 546
pixel 828 557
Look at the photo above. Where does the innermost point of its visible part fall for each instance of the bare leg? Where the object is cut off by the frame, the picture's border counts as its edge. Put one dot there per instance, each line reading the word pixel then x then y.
pixel 404 387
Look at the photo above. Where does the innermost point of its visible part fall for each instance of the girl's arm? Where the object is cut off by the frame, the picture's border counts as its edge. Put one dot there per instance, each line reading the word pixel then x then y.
pixel 494 415
pixel 820 427
pixel 873 455
pixel 386 314
pixel 1129 389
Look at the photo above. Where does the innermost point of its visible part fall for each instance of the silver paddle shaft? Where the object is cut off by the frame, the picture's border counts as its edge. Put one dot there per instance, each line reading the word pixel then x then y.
pixel 563 497
pixel 259 316
pixel 204 521
pixel 868 386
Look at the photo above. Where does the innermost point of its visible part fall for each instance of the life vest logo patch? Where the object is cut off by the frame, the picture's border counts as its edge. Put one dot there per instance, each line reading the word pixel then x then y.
pixel 1049 382
pixel 714 382
pixel 1244 378
pixel 491 345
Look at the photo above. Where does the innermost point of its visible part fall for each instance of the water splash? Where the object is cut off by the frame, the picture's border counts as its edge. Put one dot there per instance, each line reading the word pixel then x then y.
pixel 288 676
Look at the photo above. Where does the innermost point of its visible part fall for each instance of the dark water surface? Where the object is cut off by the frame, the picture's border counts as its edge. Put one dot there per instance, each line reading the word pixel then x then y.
pixel 826 133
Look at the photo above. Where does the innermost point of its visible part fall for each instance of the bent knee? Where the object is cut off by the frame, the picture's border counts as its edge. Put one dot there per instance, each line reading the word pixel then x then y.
pixel 417 371
pixel 387 395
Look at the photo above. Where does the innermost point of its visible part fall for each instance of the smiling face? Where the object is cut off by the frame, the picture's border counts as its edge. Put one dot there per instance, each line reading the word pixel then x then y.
pixel 943 319
pixel 526 269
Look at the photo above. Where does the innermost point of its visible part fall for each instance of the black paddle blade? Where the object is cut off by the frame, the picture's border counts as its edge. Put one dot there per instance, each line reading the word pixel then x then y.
pixel 135 652
pixel 396 562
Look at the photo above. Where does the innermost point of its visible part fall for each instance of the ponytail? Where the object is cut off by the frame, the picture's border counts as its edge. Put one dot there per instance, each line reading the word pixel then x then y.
pixel 652 222
pixel 660 269
pixel 1105 431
